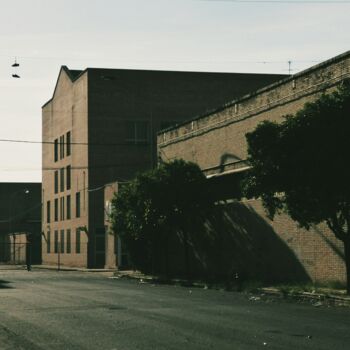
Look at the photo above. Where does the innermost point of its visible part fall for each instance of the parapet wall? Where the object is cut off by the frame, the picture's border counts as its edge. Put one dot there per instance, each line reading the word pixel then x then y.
pixel 216 141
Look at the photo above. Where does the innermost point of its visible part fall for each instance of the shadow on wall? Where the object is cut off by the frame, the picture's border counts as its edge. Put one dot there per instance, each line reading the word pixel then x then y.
pixel 239 241
pixel 331 244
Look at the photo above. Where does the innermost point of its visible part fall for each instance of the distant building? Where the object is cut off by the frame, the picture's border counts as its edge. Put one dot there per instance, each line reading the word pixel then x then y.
pixel 20 222
pixel 99 127
pixel 217 143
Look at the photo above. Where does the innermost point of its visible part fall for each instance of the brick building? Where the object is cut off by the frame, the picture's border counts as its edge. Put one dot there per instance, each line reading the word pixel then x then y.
pixel 99 127
pixel 20 222
pixel 216 142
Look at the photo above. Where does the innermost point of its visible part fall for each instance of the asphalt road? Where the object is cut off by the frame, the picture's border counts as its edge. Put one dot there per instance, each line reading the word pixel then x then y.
pixel 81 310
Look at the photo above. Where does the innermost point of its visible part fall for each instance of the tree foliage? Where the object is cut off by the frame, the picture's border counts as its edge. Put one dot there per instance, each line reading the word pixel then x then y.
pixel 158 205
pixel 300 166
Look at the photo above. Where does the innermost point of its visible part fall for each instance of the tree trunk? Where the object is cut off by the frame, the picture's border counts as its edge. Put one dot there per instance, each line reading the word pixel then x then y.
pixel 187 257
pixel 166 256
pixel 347 263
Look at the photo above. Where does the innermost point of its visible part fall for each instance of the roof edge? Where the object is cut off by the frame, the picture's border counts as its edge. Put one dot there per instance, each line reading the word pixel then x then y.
pixel 70 76
pixel 259 91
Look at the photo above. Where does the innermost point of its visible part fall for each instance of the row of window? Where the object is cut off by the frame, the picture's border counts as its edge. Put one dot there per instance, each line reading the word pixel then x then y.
pixel 62 146
pixel 59 179
pixel 136 132
pixel 63 242
pixel 62 208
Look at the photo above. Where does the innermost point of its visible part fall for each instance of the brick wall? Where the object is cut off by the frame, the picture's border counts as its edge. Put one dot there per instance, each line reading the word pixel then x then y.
pixel 216 142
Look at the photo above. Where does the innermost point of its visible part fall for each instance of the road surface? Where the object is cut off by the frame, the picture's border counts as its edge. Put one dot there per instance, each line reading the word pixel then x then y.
pixel 81 310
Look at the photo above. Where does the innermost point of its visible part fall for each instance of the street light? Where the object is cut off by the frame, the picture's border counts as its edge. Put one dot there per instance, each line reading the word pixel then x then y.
pixel 12 196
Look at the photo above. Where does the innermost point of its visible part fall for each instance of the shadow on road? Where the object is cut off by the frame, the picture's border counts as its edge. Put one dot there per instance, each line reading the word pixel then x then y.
pixel 5 284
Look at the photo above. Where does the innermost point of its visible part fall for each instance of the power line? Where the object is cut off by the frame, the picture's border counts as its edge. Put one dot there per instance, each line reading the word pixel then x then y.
pixel 131 143
pixel 262 61
pixel 82 167
pixel 287 1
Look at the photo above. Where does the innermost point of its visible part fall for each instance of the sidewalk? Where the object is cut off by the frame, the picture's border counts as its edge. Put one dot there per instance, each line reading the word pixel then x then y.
pixel 326 296
pixel 66 268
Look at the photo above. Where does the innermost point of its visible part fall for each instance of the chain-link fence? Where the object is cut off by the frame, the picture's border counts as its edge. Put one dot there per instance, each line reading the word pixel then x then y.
pixel 15 255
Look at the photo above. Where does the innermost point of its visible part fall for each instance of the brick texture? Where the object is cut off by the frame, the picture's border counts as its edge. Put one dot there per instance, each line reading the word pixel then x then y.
pixel 216 142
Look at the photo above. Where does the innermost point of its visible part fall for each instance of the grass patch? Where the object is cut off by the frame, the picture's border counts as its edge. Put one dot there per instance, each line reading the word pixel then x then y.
pixel 316 287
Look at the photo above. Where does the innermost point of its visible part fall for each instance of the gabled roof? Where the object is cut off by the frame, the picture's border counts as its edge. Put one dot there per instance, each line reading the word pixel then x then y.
pixel 71 73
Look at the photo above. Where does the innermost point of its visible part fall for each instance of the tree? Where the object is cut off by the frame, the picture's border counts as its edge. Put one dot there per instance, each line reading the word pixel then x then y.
pixel 301 166
pixel 168 201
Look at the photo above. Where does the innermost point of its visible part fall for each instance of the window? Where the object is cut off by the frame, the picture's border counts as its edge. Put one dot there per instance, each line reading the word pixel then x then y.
pixel 62 242
pixel 68 242
pixel 137 131
pixel 56 209
pixel 56 181
pixel 77 204
pixel 68 143
pixel 48 211
pixel 62 179
pixel 62 147
pixel 56 242
pixel 48 242
pixel 56 150
pixel 77 240
pixel 62 208
pixel 68 176
pixel 68 208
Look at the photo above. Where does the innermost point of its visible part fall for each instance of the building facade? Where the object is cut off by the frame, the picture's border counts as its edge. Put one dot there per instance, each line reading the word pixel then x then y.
pixel 20 222
pixel 100 127
pixel 216 142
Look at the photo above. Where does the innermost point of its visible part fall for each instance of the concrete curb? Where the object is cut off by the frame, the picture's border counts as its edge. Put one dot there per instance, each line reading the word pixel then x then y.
pixel 65 268
pixel 135 275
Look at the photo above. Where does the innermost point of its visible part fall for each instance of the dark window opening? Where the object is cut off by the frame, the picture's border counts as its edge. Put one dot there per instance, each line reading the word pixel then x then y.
pixel 62 208
pixel 56 150
pixel 68 242
pixel 68 143
pixel 62 179
pixel 68 208
pixel 56 209
pixel 48 242
pixel 56 181
pixel 56 242
pixel 68 177
pixel 62 242
pixel 77 204
pixel 77 240
pixel 48 211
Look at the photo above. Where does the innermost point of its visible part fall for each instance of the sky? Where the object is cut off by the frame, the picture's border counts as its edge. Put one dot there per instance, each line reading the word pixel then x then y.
pixel 192 35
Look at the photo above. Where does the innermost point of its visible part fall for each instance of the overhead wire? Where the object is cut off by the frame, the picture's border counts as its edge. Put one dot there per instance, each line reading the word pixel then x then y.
pixel 286 1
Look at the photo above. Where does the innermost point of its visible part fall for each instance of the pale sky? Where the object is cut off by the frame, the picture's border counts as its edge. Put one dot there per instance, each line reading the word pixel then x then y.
pixel 195 35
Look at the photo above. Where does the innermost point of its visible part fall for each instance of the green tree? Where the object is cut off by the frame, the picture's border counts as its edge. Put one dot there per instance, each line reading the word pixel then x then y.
pixel 301 166
pixel 171 200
